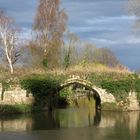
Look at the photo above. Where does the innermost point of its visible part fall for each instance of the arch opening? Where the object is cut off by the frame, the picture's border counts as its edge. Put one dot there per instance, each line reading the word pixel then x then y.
pixel 91 91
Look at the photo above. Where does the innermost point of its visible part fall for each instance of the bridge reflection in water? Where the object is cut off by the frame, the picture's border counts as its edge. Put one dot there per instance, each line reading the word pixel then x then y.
pixel 72 117
pixel 80 114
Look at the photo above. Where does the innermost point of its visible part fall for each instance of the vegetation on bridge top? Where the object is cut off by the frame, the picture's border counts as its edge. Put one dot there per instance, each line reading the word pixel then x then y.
pixel 53 55
pixel 119 84
pixel 44 84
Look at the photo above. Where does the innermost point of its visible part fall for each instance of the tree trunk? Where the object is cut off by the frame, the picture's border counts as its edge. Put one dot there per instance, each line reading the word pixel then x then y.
pixel 9 61
pixel 11 67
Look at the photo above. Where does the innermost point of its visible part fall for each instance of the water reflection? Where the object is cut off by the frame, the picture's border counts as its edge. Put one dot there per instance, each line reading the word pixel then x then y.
pixel 70 118
pixel 15 123
pixel 120 125
pixel 78 121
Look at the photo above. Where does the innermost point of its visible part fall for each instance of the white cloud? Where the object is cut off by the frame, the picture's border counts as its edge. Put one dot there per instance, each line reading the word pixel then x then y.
pixel 104 22
pixel 110 19
pixel 89 28
pixel 102 42
pixel 26 34
pixel 131 40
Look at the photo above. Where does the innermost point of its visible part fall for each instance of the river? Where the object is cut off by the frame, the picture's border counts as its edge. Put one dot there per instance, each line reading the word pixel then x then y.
pixel 72 123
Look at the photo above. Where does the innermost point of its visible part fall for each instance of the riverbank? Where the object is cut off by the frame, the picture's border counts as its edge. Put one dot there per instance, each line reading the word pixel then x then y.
pixel 15 109
pixel 43 88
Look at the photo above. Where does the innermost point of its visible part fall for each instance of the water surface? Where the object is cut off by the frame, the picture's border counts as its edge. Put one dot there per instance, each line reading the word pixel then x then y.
pixel 71 124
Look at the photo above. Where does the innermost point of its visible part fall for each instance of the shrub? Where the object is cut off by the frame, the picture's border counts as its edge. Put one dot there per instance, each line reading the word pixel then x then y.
pixel 17 108
pixel 43 87
pixel 121 88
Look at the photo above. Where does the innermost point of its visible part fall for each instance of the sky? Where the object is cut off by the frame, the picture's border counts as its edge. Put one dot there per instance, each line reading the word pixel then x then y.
pixel 105 23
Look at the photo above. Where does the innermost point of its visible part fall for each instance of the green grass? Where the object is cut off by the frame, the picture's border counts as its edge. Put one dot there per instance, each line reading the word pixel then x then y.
pixel 15 109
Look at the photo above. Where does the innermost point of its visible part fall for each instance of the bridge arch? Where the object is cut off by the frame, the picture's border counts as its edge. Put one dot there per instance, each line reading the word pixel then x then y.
pixel 100 95
pixel 88 85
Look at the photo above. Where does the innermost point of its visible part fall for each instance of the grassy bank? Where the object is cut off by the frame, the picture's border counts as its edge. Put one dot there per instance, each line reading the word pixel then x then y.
pixel 19 109
pixel 44 84
pixel 45 88
pixel 15 109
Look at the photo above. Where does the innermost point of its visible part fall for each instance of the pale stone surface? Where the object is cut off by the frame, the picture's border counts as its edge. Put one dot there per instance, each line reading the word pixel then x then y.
pixel 107 122
pixel 105 97
pixel 16 125
pixel 133 103
pixel 132 121
pixel 16 96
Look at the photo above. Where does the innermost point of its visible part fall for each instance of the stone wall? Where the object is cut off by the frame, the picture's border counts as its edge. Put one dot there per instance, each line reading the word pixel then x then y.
pixel 16 96
pixel 133 103
pixel 105 97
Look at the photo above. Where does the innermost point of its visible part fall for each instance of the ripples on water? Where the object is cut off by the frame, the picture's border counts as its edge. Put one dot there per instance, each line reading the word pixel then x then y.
pixel 72 123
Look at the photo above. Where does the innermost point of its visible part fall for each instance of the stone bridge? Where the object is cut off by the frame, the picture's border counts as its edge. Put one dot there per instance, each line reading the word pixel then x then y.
pixel 100 95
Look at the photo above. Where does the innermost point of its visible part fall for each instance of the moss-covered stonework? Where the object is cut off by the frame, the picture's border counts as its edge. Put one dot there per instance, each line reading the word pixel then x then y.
pixel 112 94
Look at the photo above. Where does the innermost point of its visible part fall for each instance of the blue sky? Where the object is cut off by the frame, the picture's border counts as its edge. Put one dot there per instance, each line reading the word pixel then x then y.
pixel 103 22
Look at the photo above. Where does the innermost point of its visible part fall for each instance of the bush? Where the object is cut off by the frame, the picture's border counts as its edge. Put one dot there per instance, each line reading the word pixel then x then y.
pixel 64 97
pixel 43 87
pixel 98 78
pixel 66 93
pixel 121 88
pixel 15 109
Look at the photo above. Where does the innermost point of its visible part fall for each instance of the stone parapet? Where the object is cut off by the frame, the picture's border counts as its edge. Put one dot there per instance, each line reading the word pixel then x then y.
pixel 133 103
pixel 16 96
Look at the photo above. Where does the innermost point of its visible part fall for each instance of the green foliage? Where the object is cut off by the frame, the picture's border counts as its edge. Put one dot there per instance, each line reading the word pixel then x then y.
pixel 40 85
pixel 64 96
pixel 116 83
pixel 5 86
pixel 43 87
pixel 98 78
pixel 15 109
pixel 67 60
pixel 45 62
pixel 121 88
pixel 136 85
pixel 66 93
pixel 83 63
pixel 116 86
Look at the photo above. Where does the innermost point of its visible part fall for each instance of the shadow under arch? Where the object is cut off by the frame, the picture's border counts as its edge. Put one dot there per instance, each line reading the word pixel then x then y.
pixel 87 87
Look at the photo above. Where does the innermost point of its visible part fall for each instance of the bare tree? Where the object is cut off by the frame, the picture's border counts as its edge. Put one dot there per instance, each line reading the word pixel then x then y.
pixel 49 26
pixel 8 40
pixel 70 49
pixel 87 53
pixel 105 56
pixel 133 8
pixel 92 54
pixel 33 55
